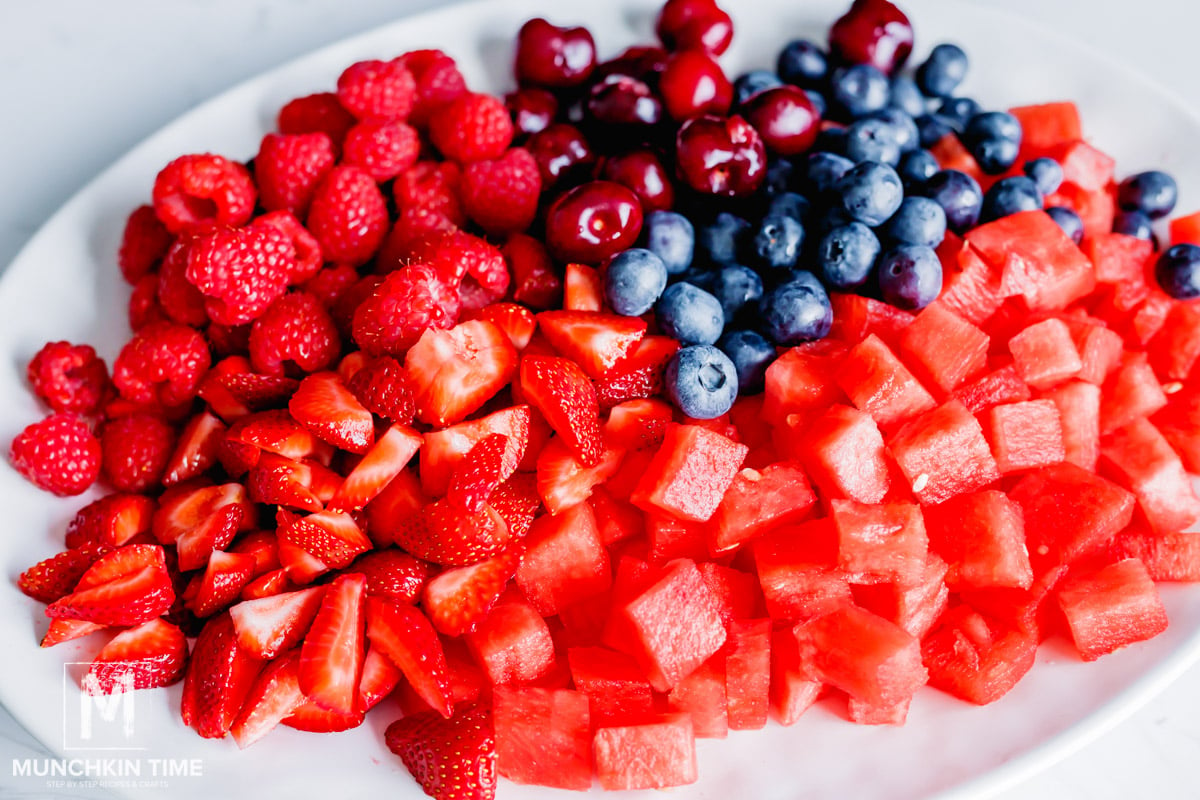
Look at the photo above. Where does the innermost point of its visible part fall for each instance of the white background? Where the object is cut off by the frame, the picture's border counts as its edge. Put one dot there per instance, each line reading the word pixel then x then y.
pixel 82 81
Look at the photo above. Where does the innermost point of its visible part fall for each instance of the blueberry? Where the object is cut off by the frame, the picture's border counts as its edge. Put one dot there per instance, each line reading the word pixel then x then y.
pixel 916 167
pixel 832 217
pixel 1009 196
pixel 781 174
pixel 818 102
pixel 720 241
pixel 803 64
pixel 932 128
pixel 858 90
pixel 751 83
pixel 634 281
pixel 994 139
pixel 1178 271
pixel 822 171
pixel 1068 220
pixel 872 139
pixel 846 254
pixel 751 354
pixel 777 242
pixel 1134 223
pixel 904 128
pixel 736 286
pixel 690 314
pixel 919 220
pixel 790 204
pixel 701 381
pixel 959 196
pixel 957 110
pixel 796 311
pixel 910 276
pixel 671 237
pixel 831 140
pixel 943 71
pixel 1153 193
pixel 699 275
pixel 870 192
pixel 1046 173
pixel 906 96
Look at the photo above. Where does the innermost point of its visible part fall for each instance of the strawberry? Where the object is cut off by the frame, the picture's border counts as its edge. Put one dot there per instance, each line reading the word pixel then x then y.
pixel 392 574
pixel 269 584
pixel 393 315
pixel 331 536
pixel 112 520
pixel 583 290
pixel 517 502
pixel 382 386
pixel 258 392
pixel 387 512
pixel 263 546
pixel 274 696
pixel 121 562
pixel 282 481
pixel 331 657
pixel 516 321
pixel 219 676
pixel 562 392
pixel 64 630
pixel 536 282
pixel 196 449
pixel 596 341
pixel 202 520
pixel 125 587
pixel 447 535
pixel 312 718
pixel 383 462
pixel 269 626
pixel 324 405
pixel 637 424
pixel 458 598
pixel 639 375
pixel 278 432
pixel 444 449
pixel 563 482
pixel 486 466
pixel 380 676
pixel 452 759
pixel 56 576
pixel 405 636
pixel 455 372
pixel 150 655
pixel 220 583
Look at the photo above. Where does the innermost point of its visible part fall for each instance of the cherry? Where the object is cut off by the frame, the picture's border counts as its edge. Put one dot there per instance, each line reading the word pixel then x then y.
pixel 694 25
pixel 720 156
pixel 644 173
pixel 640 61
pixel 692 84
pixel 623 100
pixel 872 32
pixel 555 57
pixel 532 109
pixel 559 150
pixel 592 222
pixel 785 119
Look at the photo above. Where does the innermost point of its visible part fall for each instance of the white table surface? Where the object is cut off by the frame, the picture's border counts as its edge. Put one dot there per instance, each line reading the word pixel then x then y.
pixel 81 82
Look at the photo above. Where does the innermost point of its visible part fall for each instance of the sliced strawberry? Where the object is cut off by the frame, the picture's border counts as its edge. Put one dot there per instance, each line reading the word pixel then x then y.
pixel 212 388
pixel 637 424
pixel 64 630
pixel 393 574
pixel 452 759
pixel 277 432
pixel 311 718
pixel 383 462
pixel 263 545
pixel 283 481
pixel 560 390
pixel 219 676
pixel 444 449
pixel 405 635
pixel 379 678
pixel 125 587
pixel 196 449
pixel 449 536
pixel 382 386
pixel 596 341
pixel 269 626
pixel 517 502
pixel 638 376
pixel 300 566
pixel 563 482
pixel 198 521
pixel 331 536
pixel 331 657
pixel 237 458
pixel 258 392
pixel 56 576
pixel 112 520
pixel 269 584
pixel 122 562
pixel 274 696
pixel 458 598
pixel 387 512
pixel 455 372
pixel 326 407
pixel 515 320
pixel 583 289
pixel 220 584
pixel 152 654
pixel 487 465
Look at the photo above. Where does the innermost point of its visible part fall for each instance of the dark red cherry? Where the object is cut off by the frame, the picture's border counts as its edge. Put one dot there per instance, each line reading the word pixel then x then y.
pixel 644 173
pixel 623 100
pixel 785 118
pixel 694 25
pixel 532 109
pixel 692 84
pixel 592 222
pixel 548 55
pixel 720 156
pixel 559 150
pixel 640 61
pixel 872 32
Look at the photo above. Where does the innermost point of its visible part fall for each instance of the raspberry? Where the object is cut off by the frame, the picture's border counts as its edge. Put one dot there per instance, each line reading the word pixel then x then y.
pixel 438 82
pixel 408 301
pixel 162 363
pixel 502 195
pixel 296 329
pixel 136 448
pixel 194 192
pixel 381 149
pixel 288 169
pixel 348 216
pixel 177 297
pixel 413 226
pixel 537 284
pixel 240 271
pixel 228 340
pixel 143 303
pixel 69 377
pixel 143 244
pixel 377 90
pixel 330 283
pixel 316 113
pixel 473 127
pixel 382 386
pixel 60 454
pixel 456 254
pixel 349 301
pixel 308 249
pixel 431 186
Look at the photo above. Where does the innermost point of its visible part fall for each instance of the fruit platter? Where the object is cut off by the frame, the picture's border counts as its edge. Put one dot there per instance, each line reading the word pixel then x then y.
pixel 668 400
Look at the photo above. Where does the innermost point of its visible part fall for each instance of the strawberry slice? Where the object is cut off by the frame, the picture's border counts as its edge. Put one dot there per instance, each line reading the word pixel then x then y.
pixel 220 583
pixel 300 566
pixel 637 424
pixel 444 449
pixel 454 372
pixel 196 449
pixel 122 562
pixel 596 341
pixel 282 481
pixel 278 432
pixel 382 386
pixel 458 598
pixel 198 521
pixel 398 500
pixel 125 587
pixel 152 654
pixel 112 520
pixel 392 574
pixel 275 695
pixel 560 390
pixel 324 405
pixel 517 321
pixel 517 502
pixel 487 465
pixel 452 759
pixel 219 676
pixel 449 536
pixel 258 392
pixel 263 545
pixel 563 482
pixel 380 677
pixel 56 576
pixel 331 657
pixel 383 462
pixel 639 375
pixel 583 289
pixel 406 637
pixel 269 626
pixel 333 537
pixel 64 630
pixel 268 584
pixel 311 718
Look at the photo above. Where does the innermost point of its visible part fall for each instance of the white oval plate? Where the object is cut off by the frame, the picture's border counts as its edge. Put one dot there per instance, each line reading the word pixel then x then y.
pixel 65 285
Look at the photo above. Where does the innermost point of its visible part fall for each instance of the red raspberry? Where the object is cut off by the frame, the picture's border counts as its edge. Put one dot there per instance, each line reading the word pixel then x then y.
pixel 228 340
pixel 136 449
pixel 456 254
pixel 308 250
pixel 163 363
pixel 316 113
pixel 382 386
pixel 348 216
pixel 143 244
pixel 60 454
pixel 349 301
pixel 241 271
pixel 473 127
pixel 177 297
pixel 194 192
pixel 408 301
pixel 296 329
pixel 330 283
pixel 288 169
pixel 502 195
pixel 438 82
pixel 414 226
pixel 432 186
pixel 538 285
pixel 143 303
pixel 381 149
pixel 69 377
pixel 379 90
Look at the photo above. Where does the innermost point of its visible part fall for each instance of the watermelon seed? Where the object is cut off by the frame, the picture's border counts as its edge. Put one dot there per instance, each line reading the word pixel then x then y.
pixel 921 482
pixel 1172 387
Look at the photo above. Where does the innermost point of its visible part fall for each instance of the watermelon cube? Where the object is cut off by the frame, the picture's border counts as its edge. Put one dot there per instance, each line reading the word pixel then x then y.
pixel 512 643
pixel 1180 423
pixel 844 453
pixel 702 696
pixel 632 576
pixel 748 674
pixel 1001 385
pixel 982 537
pixel 1024 435
pixel 1099 350
pixel 942 348
pixel 583 623
pixel 951 153
pixel 914 607
pixel 1044 354
pixel 689 473
pixel 1036 259
pixel 653 755
pixel 1031 610
pixel 671 538
pixel 617 690
pixel 1078 406
pixel 757 500
pixel 1070 512
pixel 737 593
pixel 1046 125
pixel 943 453
pixel 880 542
pixel 890 713
pixel 856 317
pixel 752 425
pixel 1083 165
pixel 1186 229
pixel 1167 556
pixel 793 688
pixel 1131 392
pixel 1118 257
pixel 1175 349
pixel 976 659
pixel 878 383
pixel 1148 318
pixel 616 520
pixel 970 287
pixel 803 378
pixel 796 566
pixel 565 560
pixel 1112 607
pixel 1096 207
pixel 1142 460
pixel 543 737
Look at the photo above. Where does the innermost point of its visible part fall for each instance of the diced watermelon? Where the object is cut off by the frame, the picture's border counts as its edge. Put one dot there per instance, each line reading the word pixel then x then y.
pixel 748 674
pixel 796 567
pixel 1069 512
pixel 616 519
pixel 951 153
pixel 982 537
pixel 512 643
pixel 1078 406
pixel 943 453
pixel 1118 258
pixel 889 713
pixel 1002 385
pixel 844 453
pixel 1180 423
pixel 914 607
pixel 1045 125
pixel 971 657
pixel 737 593
pixel 1167 556
pixel 1096 207
pixel 689 473
pixel 878 383
pixel 1084 165
pixel 1112 607
pixel 1044 354
pixel 970 287
pixel 757 500
pixel 1036 260
pixel 654 755
pixel 1030 610
pixel 564 561
pixel 1175 349
pixel 942 348
pixel 1147 318
pixel 793 689
pixel 543 737
pixel 856 317
pixel 1024 435
pixel 880 542
pixel 1185 229
pixel 1141 460
pixel 1131 392
pixel 702 696
pixel 617 690
pixel 803 378
pixel 1099 351
pixel 671 538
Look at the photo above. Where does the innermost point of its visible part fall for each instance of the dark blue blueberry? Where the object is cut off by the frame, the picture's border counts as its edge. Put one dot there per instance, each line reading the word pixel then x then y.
pixel 1008 196
pixel 780 177
pixel 959 196
pixel 634 281
pixel 1134 223
pixel 916 167
pixel 735 286
pixel 822 171
pixel 751 354
pixel 932 128
pixel 777 241
pixel 1068 220
pixel 832 217
pixel 907 97
pixel 957 110
pixel 701 275
pixel 904 128
pixel 803 64
pixel 1153 193
pixel 858 90
pixel 671 237
pixel 910 276
pixel 846 255
pixel 831 140
pixel 796 311
pixel 1178 271
pixel 690 314
pixel 870 192
pixel 790 204
pixel 751 83
pixel 872 139
pixel 701 381
pixel 994 139
pixel 1046 173
pixel 919 220
pixel 818 102
pixel 943 71
pixel 720 241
